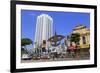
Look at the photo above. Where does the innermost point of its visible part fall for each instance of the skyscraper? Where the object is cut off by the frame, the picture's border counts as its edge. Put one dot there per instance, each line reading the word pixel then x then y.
pixel 44 30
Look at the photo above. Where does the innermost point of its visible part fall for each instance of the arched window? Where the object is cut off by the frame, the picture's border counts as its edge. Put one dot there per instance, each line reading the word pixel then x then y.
pixel 84 40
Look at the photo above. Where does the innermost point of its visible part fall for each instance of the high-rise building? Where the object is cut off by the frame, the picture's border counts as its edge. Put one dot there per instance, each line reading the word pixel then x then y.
pixel 44 30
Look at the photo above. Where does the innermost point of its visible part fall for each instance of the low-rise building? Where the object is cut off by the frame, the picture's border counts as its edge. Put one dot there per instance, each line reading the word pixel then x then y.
pixel 84 32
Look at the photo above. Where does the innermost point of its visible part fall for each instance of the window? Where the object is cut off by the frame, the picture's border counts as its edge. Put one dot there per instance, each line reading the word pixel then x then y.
pixel 44 41
pixel 84 40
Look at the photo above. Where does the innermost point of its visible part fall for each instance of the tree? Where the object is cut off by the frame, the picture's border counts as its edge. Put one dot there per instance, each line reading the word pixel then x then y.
pixel 74 37
pixel 24 43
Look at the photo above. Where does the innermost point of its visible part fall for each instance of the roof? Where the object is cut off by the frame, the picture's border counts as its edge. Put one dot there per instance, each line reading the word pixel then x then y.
pixel 79 27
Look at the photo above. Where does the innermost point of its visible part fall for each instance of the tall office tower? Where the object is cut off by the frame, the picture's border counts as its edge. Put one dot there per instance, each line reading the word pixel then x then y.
pixel 44 30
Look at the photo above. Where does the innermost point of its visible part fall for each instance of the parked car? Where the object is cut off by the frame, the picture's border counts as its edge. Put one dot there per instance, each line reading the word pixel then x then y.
pixel 26 57
pixel 45 55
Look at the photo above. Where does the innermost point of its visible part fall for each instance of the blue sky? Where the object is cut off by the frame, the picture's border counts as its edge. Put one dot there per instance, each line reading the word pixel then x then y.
pixel 63 22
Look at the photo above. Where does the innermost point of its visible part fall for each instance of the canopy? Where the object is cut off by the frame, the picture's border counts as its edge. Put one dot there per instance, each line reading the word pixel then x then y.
pixel 55 39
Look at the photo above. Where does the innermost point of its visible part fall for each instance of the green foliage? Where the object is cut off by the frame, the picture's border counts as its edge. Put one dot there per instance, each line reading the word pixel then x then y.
pixel 26 41
pixel 74 37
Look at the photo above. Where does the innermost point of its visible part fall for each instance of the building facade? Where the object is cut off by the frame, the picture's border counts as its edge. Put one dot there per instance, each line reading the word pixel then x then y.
pixel 84 32
pixel 44 30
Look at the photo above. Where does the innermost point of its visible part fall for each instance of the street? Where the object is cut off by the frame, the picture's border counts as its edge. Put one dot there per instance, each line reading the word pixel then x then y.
pixel 69 57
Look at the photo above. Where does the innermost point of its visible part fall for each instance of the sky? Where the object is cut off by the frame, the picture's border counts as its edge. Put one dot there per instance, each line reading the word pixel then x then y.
pixel 63 22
